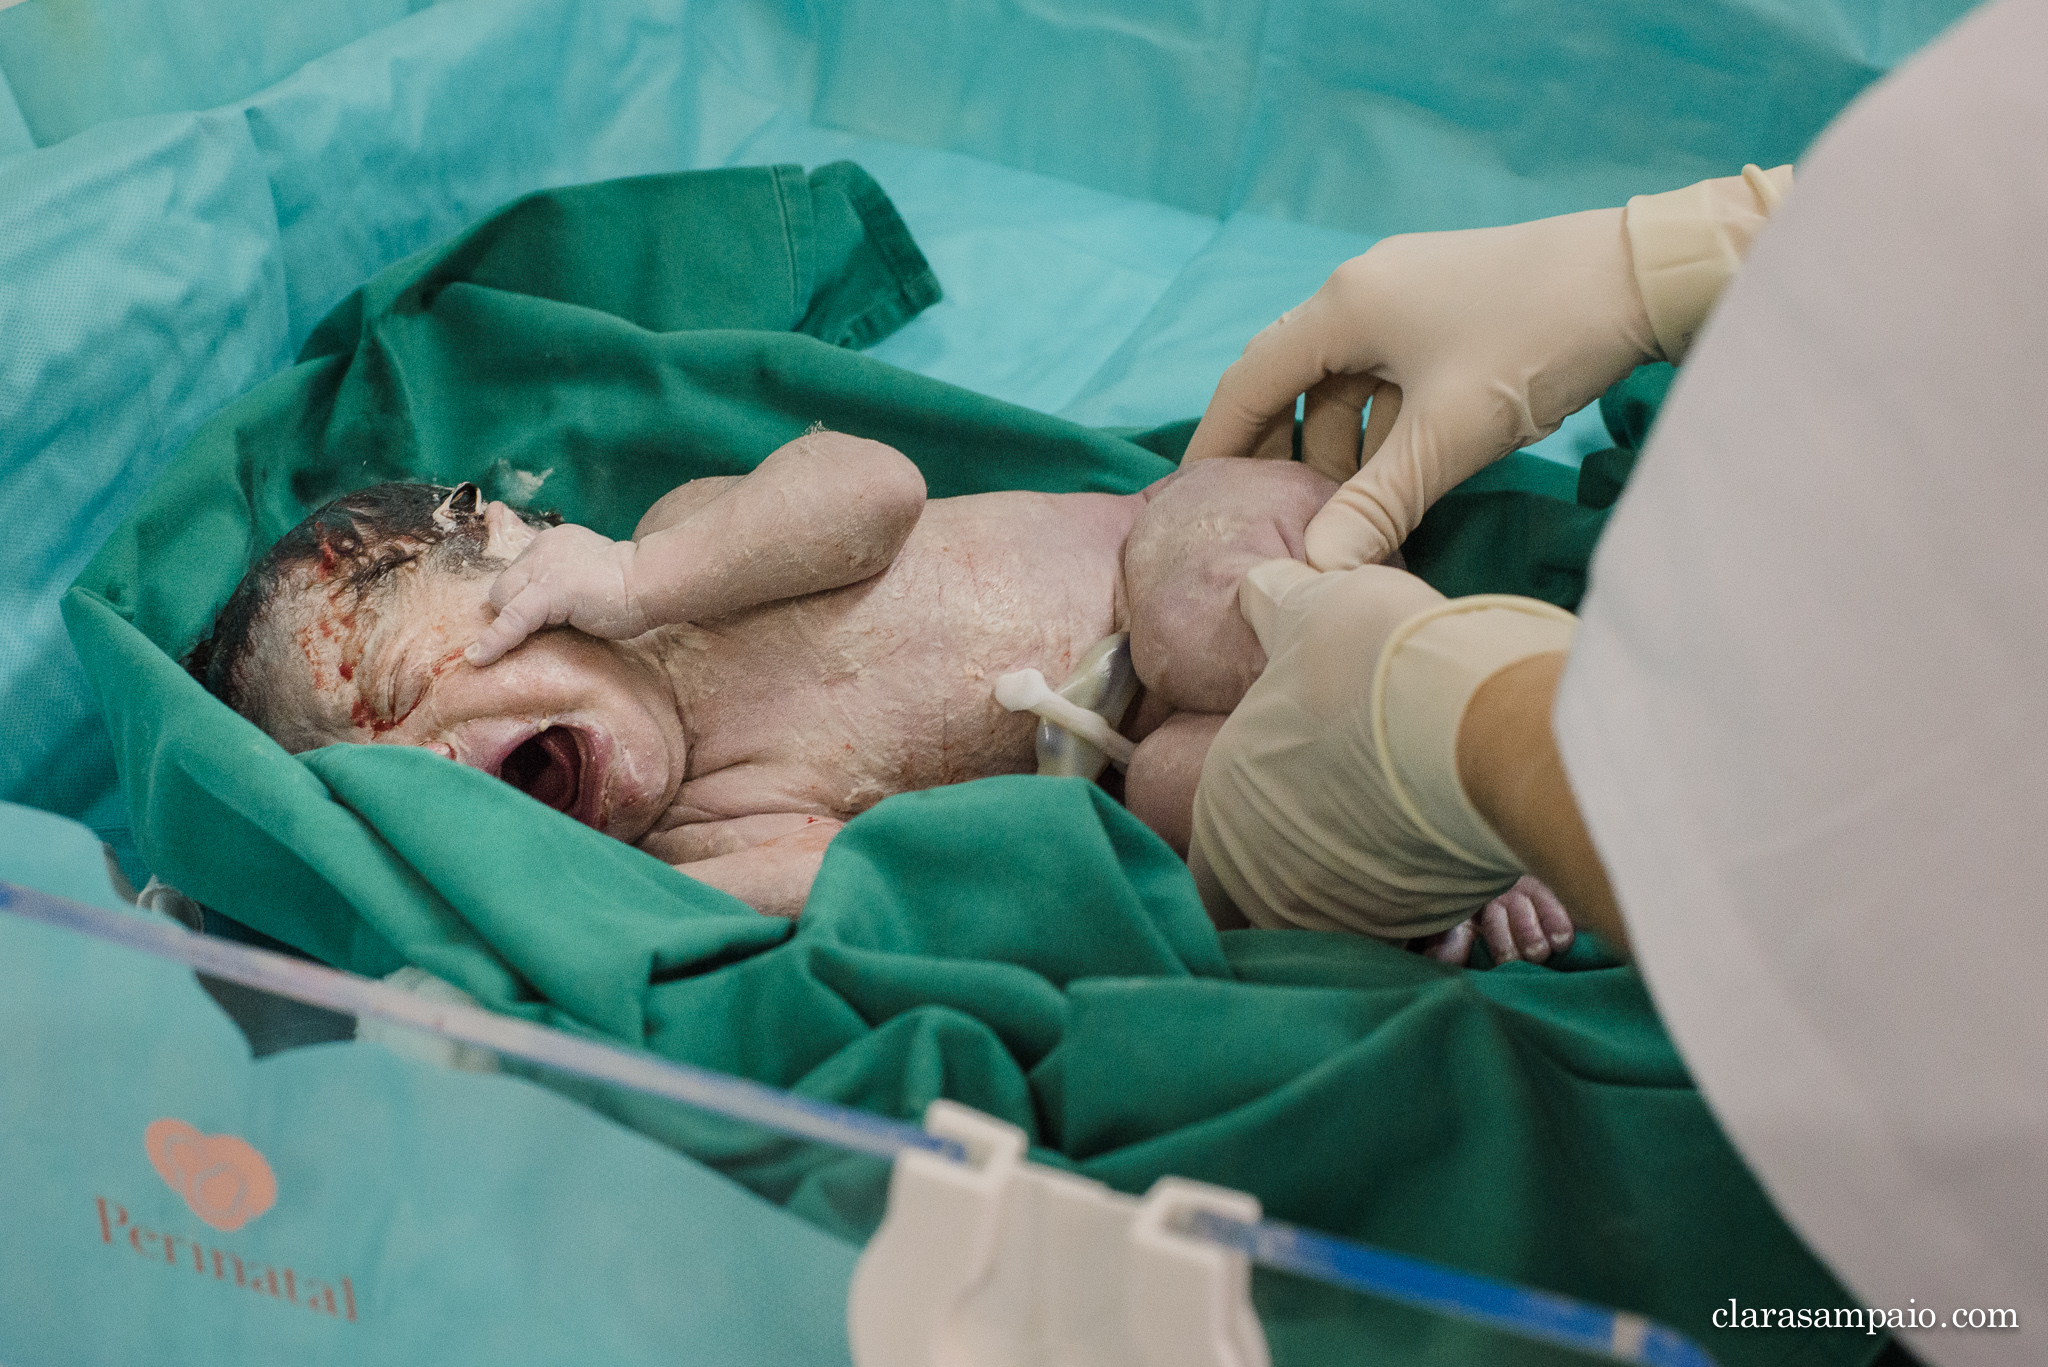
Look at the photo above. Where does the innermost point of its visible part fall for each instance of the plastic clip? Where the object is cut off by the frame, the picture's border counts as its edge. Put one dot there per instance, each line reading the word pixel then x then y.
pixel 998 1262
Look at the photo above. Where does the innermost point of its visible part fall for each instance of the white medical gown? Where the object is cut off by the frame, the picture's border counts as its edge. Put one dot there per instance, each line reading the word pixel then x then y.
pixel 1807 711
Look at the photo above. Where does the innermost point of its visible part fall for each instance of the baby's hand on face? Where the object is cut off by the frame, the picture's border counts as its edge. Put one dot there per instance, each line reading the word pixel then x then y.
pixel 568 575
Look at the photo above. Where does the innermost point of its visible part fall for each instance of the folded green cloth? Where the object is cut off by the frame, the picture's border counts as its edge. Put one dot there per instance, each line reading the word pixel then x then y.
pixel 1021 945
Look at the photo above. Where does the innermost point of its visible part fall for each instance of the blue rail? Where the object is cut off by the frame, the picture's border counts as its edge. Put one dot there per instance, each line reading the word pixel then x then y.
pixel 1518 1310
pixel 635 1069
pixel 1513 1309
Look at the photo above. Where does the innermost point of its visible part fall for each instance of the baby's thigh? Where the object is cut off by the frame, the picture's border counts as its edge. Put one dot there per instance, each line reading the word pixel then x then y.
pixel 1159 786
pixel 1201 529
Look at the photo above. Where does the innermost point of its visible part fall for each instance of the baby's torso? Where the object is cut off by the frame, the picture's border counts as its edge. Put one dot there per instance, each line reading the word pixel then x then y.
pixel 826 704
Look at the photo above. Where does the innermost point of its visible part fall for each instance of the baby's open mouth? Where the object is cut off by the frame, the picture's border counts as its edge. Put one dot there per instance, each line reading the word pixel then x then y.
pixel 555 767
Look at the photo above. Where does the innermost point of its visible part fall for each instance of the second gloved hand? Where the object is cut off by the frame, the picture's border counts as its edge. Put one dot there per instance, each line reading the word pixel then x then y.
pixel 567 576
pixel 1485 339
pixel 1470 344
pixel 1330 800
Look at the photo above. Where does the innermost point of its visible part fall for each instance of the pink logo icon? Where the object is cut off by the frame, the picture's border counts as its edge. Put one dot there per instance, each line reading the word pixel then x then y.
pixel 221 1176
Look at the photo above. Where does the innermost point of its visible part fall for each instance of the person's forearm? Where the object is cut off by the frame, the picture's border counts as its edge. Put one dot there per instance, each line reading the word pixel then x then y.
pixel 1510 768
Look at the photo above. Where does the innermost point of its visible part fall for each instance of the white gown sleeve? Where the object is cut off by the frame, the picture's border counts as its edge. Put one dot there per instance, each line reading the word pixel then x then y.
pixel 1806 715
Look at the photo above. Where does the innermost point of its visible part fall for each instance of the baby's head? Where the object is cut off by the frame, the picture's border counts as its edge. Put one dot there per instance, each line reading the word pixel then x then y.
pixel 352 628
pixel 306 614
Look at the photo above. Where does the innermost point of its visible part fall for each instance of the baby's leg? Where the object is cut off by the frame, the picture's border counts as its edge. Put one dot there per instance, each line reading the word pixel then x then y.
pixel 1159 786
pixel 1201 529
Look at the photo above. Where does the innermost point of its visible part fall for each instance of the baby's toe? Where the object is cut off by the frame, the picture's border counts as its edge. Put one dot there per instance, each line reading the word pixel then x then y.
pixel 1530 937
pixel 1453 946
pixel 1495 929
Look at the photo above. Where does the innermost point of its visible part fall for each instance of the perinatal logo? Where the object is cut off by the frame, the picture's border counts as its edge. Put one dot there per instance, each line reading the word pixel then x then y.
pixel 226 1183
pixel 221 1176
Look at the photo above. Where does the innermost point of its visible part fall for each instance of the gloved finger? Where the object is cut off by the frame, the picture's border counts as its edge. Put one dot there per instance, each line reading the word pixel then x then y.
pixel 1286 359
pixel 526 613
pixel 1372 514
pixel 1276 439
pixel 1386 406
pixel 1262 591
pixel 1334 623
pixel 1436 441
pixel 1331 431
pixel 1453 946
pixel 1550 914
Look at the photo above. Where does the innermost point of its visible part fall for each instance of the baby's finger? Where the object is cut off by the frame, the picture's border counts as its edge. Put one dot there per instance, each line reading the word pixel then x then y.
pixel 1550 914
pixel 516 620
pixel 488 648
pixel 511 581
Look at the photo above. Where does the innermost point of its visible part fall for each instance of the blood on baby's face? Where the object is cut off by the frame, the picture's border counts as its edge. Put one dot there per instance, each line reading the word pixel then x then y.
pixel 589 727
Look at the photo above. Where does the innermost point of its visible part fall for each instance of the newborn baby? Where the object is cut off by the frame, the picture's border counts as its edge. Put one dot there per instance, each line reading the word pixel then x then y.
pixel 770 655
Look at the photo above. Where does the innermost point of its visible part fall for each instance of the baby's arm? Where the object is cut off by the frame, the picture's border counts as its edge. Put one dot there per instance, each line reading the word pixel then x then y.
pixel 822 512
pixel 767 861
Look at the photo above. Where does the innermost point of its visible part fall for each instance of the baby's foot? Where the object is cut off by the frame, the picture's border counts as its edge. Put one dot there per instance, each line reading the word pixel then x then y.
pixel 1525 922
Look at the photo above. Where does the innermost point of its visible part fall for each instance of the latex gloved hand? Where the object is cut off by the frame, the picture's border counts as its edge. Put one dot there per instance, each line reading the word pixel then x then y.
pixel 566 575
pixel 1470 344
pixel 1330 799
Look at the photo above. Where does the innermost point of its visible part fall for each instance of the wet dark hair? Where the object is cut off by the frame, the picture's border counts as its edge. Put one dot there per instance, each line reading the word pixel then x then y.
pixel 351 544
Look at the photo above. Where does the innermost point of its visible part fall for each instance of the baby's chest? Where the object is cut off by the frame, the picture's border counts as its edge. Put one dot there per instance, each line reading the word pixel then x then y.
pixel 828 717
